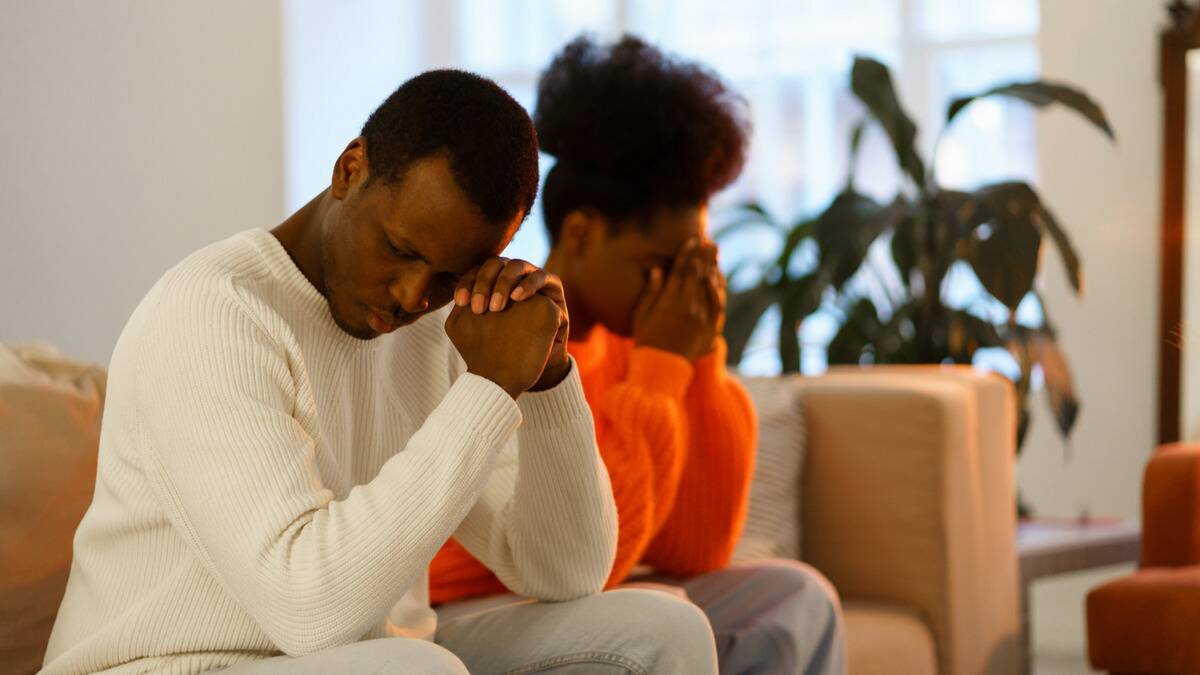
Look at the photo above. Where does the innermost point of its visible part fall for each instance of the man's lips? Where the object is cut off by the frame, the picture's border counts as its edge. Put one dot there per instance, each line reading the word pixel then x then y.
pixel 381 322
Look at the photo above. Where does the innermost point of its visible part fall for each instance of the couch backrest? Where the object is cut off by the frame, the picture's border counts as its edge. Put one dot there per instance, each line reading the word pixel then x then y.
pixel 908 498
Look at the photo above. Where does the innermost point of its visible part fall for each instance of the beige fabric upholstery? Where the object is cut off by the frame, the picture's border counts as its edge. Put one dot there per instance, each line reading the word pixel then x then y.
pixel 886 640
pixel 49 431
pixel 907 500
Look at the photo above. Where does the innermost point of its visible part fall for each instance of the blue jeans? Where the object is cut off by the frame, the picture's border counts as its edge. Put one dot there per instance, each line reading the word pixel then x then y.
pixel 622 632
pixel 772 616
pixel 769 617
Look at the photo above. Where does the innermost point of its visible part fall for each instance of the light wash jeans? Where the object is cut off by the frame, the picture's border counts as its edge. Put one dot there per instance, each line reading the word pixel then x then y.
pixel 620 632
pixel 770 617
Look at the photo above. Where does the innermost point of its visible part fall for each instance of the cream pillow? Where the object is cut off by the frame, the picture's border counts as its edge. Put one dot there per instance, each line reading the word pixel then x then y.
pixel 773 519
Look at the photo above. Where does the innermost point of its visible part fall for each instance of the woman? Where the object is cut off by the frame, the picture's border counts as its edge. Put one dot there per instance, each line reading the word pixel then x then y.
pixel 641 143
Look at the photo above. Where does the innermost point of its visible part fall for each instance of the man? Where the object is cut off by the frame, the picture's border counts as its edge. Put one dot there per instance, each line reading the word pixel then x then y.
pixel 642 142
pixel 288 438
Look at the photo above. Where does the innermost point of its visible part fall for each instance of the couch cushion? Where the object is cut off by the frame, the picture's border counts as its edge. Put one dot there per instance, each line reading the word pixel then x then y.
pixel 884 639
pixel 1146 622
pixel 772 527
pixel 49 432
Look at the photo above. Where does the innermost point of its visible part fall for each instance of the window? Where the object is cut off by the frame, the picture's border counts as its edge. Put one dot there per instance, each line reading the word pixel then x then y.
pixel 789 58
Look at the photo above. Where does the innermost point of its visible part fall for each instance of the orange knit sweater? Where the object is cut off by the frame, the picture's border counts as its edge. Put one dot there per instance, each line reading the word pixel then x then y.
pixel 678 440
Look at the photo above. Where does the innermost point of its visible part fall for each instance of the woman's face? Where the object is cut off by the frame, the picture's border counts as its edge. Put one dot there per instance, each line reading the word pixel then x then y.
pixel 607 266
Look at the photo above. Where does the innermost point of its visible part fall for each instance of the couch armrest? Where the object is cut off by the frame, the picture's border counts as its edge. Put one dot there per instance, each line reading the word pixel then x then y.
pixel 908 499
pixel 1171 507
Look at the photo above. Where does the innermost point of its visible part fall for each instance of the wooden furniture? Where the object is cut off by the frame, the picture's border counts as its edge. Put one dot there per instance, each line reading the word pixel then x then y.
pixel 1178 393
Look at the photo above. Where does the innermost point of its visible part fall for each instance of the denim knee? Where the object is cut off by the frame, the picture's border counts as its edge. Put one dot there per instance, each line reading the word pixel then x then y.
pixel 676 633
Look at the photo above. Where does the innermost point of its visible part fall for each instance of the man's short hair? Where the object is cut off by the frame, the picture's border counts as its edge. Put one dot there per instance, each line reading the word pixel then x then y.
pixel 490 139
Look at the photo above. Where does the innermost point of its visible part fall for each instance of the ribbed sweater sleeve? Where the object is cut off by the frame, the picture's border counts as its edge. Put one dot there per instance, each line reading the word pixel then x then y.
pixel 546 523
pixel 703 528
pixel 240 481
pixel 644 447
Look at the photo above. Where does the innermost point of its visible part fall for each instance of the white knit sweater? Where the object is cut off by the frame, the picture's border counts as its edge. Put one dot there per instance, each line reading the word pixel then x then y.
pixel 269 483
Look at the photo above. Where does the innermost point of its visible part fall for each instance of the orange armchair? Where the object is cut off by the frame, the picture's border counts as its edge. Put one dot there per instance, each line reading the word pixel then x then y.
pixel 1148 622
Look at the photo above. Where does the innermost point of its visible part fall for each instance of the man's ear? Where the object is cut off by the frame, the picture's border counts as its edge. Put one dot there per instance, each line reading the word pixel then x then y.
pixel 350 169
pixel 581 229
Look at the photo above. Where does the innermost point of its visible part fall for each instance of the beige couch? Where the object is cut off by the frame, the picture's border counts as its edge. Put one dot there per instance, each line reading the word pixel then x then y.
pixel 907 507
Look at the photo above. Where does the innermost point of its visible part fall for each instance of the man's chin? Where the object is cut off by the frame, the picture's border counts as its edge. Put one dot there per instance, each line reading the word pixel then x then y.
pixel 368 324
pixel 359 329
pixel 358 332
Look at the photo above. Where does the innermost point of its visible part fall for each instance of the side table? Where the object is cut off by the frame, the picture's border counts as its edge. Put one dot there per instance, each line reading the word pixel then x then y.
pixel 1051 546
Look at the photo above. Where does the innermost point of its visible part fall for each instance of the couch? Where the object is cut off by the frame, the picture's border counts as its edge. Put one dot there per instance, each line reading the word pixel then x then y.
pixel 906 505
pixel 1147 622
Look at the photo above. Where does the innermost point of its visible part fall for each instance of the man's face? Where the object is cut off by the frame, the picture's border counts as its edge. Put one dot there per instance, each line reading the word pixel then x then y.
pixel 392 253
pixel 615 264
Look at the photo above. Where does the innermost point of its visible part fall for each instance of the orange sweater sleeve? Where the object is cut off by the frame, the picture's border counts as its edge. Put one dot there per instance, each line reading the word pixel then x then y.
pixel 710 506
pixel 643 440
pixel 455 574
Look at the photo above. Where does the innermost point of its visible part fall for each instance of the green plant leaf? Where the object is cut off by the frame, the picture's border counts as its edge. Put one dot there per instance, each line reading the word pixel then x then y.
pixel 852 160
pixel 943 210
pixel 1022 425
pixel 1018 199
pixel 743 310
pixel 1056 375
pixel 953 209
pixel 904 249
pixel 803 229
pixel 967 333
pixel 1039 347
pixel 798 298
pixel 1041 93
pixel 1070 258
pixel 893 342
pixel 790 315
pixel 871 82
pixel 1006 262
pixel 844 233
pixel 1005 254
pixel 856 333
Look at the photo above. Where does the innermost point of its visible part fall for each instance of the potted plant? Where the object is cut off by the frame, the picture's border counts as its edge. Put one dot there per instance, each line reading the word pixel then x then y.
pixel 999 230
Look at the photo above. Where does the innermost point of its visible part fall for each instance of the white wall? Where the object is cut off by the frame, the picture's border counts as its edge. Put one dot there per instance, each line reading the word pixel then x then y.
pixel 133 132
pixel 1108 199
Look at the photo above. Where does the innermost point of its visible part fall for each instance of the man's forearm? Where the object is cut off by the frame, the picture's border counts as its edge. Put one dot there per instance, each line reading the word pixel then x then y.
pixel 546 524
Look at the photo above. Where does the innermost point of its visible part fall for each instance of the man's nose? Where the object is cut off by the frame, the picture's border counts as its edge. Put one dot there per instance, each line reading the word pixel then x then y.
pixel 412 293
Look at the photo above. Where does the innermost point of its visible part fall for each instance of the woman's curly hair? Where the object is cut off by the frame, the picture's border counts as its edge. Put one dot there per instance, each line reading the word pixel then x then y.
pixel 632 130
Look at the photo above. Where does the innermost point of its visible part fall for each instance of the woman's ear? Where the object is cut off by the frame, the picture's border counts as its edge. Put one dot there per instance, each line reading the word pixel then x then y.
pixel 581 229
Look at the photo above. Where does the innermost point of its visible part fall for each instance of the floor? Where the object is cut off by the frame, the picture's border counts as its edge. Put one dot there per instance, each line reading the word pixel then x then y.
pixel 1061 663
pixel 1059 627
